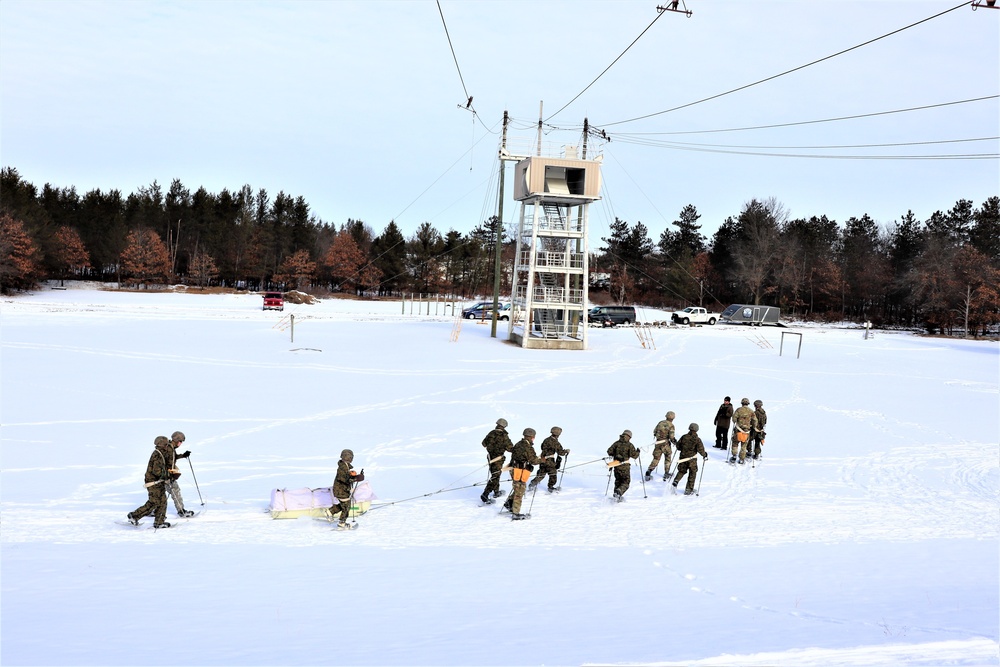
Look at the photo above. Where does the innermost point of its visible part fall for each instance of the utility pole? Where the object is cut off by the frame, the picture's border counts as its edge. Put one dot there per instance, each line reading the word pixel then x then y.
pixel 499 231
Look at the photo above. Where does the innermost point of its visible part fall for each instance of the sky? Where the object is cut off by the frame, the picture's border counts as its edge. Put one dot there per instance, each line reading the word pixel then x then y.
pixel 359 107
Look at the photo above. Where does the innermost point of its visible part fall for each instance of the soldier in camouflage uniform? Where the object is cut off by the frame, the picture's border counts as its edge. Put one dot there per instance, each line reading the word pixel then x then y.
pixel 664 435
pixel 173 488
pixel 497 444
pixel 343 486
pixel 745 421
pixel 552 453
pixel 522 460
pixel 758 434
pixel 158 471
pixel 688 449
pixel 621 451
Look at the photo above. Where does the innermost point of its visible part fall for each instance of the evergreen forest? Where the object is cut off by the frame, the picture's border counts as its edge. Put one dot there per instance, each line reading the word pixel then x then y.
pixel 941 274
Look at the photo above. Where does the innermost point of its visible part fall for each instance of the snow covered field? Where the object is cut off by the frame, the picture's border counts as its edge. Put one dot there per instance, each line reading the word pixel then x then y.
pixel 867 535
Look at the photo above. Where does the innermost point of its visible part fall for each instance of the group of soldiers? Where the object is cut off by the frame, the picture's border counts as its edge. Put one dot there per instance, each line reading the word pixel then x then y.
pixel 748 429
pixel 746 441
pixel 160 479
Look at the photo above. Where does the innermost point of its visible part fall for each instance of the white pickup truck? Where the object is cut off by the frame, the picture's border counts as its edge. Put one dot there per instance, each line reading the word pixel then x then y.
pixel 693 315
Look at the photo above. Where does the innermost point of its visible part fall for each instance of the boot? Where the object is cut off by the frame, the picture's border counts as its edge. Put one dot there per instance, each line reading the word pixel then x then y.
pixel 486 499
pixel 649 475
pixel 161 525
pixel 185 514
pixel 132 519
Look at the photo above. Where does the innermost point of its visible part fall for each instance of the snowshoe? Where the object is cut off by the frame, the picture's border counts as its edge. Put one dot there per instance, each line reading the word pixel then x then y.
pixel 518 517
pixel 165 524
pixel 185 514
pixel 499 494
pixel 487 501
pixel 343 525
pixel 132 519
pixel 553 489
pixel 688 492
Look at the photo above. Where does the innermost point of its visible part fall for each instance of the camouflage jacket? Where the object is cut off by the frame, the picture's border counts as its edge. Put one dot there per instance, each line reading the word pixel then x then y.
pixel 343 481
pixel 497 443
pixel 551 447
pixel 761 418
pixel 724 414
pixel 161 462
pixel 623 450
pixel 745 418
pixel 664 431
pixel 523 455
pixel 689 445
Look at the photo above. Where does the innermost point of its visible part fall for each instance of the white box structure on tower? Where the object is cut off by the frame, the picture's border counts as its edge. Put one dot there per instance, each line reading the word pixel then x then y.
pixel 549 296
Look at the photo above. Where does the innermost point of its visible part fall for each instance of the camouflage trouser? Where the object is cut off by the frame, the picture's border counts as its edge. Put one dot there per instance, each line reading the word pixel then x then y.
pixel 493 485
pixel 756 441
pixel 623 477
pixel 516 496
pixel 664 449
pixel 690 468
pixel 739 448
pixel 174 489
pixel 344 507
pixel 548 467
pixel 156 505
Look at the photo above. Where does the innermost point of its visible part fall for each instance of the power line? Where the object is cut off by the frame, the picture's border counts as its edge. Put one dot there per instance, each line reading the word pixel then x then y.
pixel 678 144
pixel 608 67
pixel 955 156
pixel 794 69
pixel 454 57
pixel 810 122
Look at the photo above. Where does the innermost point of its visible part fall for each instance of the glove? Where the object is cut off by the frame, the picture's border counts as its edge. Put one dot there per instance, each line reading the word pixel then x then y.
pixel 175 475
pixel 704 456
pixel 358 476
pixel 184 455
pixel 566 452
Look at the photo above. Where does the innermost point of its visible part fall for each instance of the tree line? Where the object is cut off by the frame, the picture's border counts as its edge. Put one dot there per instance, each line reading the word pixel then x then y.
pixel 942 273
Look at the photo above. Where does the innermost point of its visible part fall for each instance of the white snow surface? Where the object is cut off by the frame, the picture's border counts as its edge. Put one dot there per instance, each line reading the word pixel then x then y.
pixel 867 534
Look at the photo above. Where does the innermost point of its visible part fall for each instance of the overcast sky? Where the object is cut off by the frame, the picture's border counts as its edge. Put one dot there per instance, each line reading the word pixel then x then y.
pixel 355 105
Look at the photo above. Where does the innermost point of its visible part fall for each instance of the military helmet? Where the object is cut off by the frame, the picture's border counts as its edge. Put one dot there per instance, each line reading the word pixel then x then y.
pixel 758 403
pixel 693 428
pixel 178 437
pixel 556 431
pixel 502 423
pixel 347 455
pixel 627 433
pixel 529 433
pixel 671 415
pixel 160 441
pixel 745 401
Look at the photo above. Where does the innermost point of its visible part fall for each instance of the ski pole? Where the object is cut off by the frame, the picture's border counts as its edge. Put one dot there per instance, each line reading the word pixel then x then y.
pixel 642 476
pixel 531 504
pixel 610 471
pixel 704 464
pixel 563 473
pixel 195 482
pixel 350 500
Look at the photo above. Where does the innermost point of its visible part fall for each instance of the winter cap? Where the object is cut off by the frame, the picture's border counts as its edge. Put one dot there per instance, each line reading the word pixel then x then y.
pixel 160 441
pixel 502 423
pixel 556 431
pixel 758 403
pixel 627 433
pixel 178 437
pixel 693 428
pixel 529 433
pixel 347 456
pixel 745 401
pixel 728 399
pixel 671 415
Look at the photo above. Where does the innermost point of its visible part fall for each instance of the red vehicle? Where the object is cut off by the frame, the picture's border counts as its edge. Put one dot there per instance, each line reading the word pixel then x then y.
pixel 274 301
